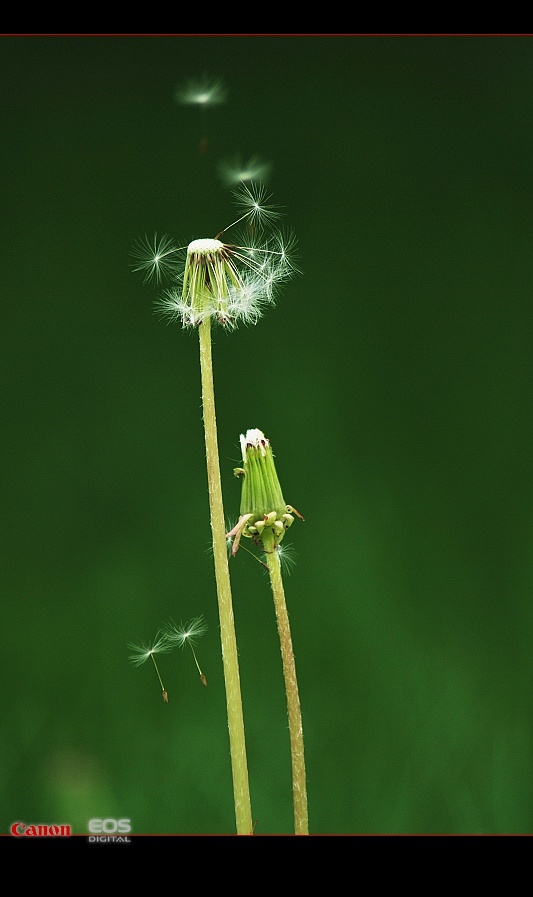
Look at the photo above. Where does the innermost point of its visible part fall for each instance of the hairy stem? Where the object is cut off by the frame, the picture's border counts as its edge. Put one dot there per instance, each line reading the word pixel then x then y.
pixel 241 788
pixel 299 787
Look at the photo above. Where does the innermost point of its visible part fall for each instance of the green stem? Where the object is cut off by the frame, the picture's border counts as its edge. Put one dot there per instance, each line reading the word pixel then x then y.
pixel 299 787
pixel 241 789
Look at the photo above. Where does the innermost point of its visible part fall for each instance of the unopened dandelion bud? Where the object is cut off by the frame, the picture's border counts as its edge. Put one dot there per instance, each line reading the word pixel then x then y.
pixel 264 518
pixel 264 514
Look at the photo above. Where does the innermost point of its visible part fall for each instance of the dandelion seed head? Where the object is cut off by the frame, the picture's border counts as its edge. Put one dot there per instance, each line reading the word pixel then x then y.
pixel 204 247
pixel 230 283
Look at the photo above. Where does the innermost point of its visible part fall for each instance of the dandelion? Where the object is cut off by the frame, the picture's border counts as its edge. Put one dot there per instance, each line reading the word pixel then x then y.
pixel 228 283
pixel 264 518
pixel 235 170
pixel 225 283
pixel 189 634
pixel 143 652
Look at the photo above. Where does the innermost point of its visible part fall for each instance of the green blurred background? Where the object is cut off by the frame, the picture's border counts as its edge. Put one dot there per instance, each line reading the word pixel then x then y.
pixel 393 378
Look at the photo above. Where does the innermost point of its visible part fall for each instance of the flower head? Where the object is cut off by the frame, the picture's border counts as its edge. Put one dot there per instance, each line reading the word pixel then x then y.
pixel 226 282
pixel 264 516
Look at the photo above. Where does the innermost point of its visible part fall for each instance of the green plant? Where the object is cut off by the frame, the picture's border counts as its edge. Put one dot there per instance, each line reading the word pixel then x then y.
pixel 226 284
pixel 264 518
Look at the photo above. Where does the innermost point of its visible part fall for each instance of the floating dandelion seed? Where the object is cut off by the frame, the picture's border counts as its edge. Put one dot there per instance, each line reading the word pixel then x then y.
pixel 142 652
pixel 225 282
pixel 180 635
pixel 255 203
pixel 235 171
pixel 204 91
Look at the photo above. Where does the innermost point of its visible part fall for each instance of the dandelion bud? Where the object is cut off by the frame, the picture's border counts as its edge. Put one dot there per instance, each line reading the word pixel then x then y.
pixel 264 514
pixel 261 492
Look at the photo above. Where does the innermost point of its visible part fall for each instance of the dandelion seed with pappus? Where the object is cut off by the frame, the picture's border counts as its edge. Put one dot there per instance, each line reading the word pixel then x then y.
pixel 202 93
pixel 143 652
pixel 181 635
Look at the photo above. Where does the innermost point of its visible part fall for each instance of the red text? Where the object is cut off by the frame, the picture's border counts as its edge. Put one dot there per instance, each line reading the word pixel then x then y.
pixel 40 831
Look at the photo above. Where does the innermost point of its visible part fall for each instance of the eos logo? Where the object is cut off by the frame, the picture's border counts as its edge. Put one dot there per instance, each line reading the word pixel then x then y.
pixel 110 826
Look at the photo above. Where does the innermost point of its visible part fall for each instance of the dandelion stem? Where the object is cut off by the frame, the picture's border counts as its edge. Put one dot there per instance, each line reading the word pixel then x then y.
pixel 299 787
pixel 241 789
